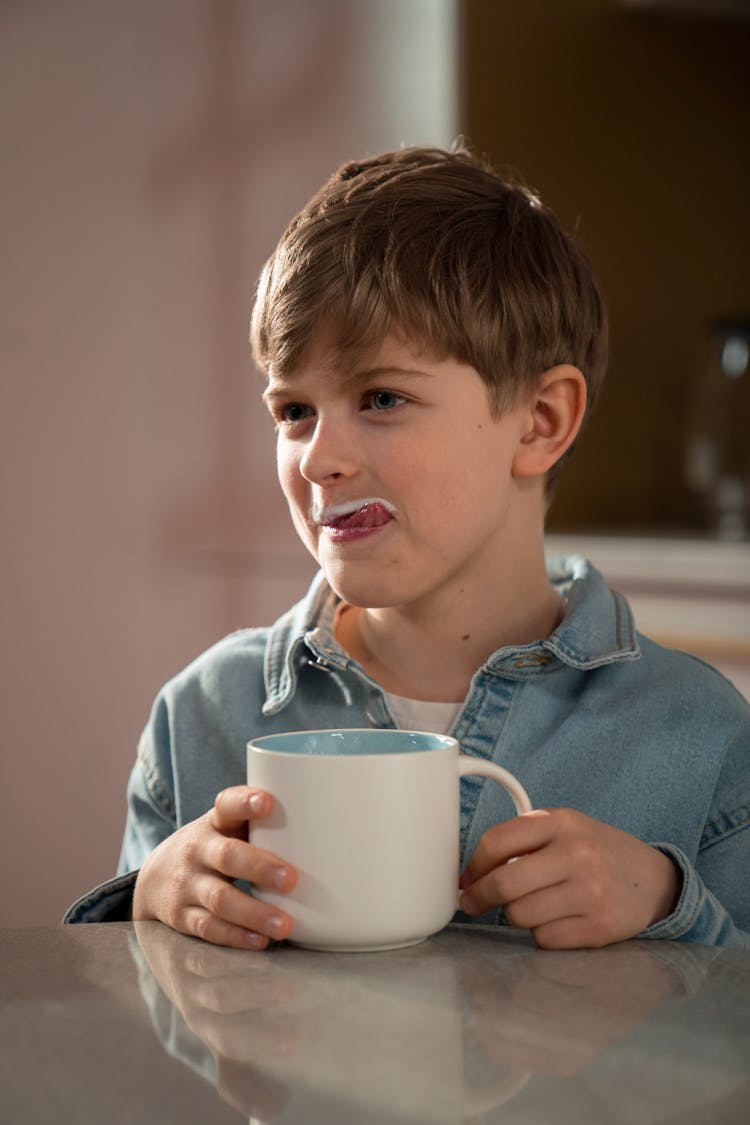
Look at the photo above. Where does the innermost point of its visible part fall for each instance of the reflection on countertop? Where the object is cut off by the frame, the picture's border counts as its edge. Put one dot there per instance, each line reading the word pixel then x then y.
pixel 471 1026
pixel 127 1022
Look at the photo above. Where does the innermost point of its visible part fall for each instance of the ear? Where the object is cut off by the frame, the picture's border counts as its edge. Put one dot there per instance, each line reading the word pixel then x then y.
pixel 554 416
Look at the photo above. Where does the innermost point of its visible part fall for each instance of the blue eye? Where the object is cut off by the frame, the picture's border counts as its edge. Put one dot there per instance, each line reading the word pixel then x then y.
pixel 384 400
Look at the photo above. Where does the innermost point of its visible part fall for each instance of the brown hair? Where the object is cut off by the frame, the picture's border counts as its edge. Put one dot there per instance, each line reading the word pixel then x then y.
pixel 436 246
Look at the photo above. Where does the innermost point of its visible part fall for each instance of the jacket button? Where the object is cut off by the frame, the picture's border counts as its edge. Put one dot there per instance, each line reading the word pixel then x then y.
pixel 532 660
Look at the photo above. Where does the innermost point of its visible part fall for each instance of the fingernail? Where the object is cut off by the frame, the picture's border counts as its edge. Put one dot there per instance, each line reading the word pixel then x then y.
pixel 256 803
pixel 274 926
pixel 256 941
pixel 279 877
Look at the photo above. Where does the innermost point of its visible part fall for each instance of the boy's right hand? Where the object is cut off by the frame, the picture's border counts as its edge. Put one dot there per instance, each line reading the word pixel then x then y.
pixel 186 882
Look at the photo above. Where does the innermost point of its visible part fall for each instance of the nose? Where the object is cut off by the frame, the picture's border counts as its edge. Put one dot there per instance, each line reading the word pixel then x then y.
pixel 330 453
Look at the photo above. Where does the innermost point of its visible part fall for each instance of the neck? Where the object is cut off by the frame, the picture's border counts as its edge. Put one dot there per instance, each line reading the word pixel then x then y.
pixel 431 650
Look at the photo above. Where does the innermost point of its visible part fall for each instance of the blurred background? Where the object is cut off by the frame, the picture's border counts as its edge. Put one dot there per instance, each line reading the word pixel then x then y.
pixel 152 151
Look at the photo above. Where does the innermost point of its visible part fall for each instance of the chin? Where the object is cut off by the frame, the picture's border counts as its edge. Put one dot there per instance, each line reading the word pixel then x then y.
pixel 363 599
pixel 363 595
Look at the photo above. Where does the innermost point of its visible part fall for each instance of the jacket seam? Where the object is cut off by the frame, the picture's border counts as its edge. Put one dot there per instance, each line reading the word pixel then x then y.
pixel 159 792
pixel 735 827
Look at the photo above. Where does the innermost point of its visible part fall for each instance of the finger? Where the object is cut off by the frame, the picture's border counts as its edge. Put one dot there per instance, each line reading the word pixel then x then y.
pixel 235 806
pixel 237 859
pixel 593 916
pixel 575 932
pixel 512 838
pixel 199 922
pixel 511 882
pixel 231 905
pixel 541 907
pixel 215 984
pixel 234 994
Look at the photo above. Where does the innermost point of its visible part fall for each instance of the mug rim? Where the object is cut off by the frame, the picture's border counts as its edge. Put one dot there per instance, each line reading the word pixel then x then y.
pixel 442 742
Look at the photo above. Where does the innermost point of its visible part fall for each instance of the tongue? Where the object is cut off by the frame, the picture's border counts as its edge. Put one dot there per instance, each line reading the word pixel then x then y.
pixel 370 515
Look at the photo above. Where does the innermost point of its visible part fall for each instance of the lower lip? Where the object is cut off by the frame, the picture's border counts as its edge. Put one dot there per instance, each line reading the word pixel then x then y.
pixel 352 534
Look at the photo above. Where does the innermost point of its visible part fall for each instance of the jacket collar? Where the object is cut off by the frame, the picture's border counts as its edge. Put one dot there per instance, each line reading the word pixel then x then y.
pixel 598 629
pixel 303 633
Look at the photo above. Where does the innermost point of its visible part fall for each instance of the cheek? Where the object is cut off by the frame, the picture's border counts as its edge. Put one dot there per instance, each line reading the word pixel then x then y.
pixel 296 493
pixel 432 480
pixel 287 470
pixel 463 485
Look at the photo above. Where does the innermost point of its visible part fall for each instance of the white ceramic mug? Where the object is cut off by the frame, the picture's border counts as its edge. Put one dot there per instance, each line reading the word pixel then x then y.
pixel 370 820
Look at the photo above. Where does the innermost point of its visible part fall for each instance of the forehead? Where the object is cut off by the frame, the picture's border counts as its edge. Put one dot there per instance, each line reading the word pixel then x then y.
pixel 326 359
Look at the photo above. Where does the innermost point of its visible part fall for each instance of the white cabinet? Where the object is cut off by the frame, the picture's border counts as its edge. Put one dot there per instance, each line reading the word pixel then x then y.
pixel 686 593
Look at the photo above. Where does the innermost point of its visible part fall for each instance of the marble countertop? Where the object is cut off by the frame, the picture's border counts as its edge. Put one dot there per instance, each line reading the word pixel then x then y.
pixel 136 1023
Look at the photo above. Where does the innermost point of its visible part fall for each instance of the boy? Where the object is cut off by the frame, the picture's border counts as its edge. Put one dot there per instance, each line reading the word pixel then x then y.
pixel 432 341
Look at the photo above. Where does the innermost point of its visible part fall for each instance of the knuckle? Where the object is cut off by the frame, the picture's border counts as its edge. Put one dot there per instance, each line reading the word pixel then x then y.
pixel 202 926
pixel 487 892
pixel 224 854
pixel 179 888
pixel 216 899
pixel 220 800
pixel 199 963
pixel 515 915
pixel 190 849
pixel 213 998
pixel 497 886
pixel 595 892
pixel 585 857
pixel 217 814
pixel 567 819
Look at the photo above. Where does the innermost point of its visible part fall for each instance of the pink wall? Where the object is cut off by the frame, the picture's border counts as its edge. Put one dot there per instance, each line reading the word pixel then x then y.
pixel 152 153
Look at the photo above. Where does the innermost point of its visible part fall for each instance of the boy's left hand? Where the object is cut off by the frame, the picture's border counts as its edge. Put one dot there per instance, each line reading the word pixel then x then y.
pixel 577 883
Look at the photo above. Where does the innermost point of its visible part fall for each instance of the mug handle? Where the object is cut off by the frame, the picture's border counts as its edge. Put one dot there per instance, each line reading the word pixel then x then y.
pixel 520 797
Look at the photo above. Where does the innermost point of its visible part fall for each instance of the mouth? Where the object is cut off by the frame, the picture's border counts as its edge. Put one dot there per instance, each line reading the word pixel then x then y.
pixel 355 518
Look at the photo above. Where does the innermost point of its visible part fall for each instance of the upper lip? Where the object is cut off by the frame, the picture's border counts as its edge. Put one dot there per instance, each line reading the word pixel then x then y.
pixel 328 515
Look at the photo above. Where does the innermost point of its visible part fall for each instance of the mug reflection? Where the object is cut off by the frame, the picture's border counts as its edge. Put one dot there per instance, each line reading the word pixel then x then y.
pixel 444 1032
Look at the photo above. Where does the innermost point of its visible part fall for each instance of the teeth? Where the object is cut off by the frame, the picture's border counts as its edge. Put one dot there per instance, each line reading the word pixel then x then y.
pixel 335 512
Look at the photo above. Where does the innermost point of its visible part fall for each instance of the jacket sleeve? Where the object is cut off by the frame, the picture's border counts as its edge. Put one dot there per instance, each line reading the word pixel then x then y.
pixel 714 904
pixel 150 819
pixel 699 915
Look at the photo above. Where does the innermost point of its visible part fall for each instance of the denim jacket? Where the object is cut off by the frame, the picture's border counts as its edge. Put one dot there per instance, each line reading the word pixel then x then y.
pixel 594 717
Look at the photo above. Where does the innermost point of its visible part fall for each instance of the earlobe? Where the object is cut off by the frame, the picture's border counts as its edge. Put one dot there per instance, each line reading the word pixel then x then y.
pixel 554 418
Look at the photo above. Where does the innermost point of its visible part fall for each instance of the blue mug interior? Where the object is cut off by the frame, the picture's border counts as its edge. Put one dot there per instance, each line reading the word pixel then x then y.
pixel 355 743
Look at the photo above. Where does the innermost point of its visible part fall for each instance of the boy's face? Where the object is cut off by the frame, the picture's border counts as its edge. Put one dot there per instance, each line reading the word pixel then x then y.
pixel 398 479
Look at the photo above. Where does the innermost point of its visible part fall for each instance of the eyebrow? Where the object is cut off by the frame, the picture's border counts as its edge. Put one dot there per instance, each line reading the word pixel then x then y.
pixel 281 386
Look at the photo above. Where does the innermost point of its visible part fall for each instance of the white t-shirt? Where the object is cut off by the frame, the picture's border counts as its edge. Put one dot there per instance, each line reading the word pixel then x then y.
pixel 418 714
